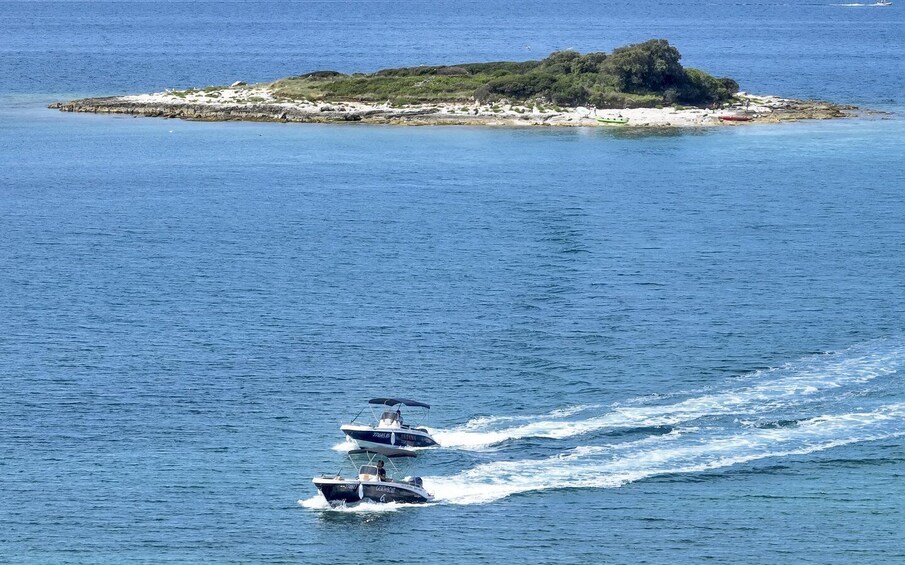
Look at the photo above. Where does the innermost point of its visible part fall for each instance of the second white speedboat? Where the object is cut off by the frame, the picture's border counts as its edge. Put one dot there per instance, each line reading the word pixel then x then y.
pixel 390 430
pixel 371 483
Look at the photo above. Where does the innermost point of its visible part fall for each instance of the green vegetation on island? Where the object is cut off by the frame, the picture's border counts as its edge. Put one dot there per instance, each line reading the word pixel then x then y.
pixel 642 75
pixel 643 85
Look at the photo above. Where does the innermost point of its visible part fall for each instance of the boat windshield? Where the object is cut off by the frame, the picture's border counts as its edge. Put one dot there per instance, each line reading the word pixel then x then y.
pixel 389 416
pixel 368 473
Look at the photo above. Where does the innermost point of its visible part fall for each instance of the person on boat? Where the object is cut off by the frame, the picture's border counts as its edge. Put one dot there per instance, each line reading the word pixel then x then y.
pixel 399 416
pixel 381 472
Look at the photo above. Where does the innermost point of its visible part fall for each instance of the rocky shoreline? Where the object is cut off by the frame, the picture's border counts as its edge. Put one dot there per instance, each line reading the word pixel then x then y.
pixel 257 103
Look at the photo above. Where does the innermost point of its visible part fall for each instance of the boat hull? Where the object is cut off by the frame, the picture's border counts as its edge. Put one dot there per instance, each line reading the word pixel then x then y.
pixel 339 492
pixel 366 436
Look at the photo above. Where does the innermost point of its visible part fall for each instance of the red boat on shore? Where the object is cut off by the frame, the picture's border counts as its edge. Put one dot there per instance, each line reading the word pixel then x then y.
pixel 735 118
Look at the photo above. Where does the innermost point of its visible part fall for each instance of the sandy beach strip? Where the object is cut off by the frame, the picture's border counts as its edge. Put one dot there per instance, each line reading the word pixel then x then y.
pixel 258 103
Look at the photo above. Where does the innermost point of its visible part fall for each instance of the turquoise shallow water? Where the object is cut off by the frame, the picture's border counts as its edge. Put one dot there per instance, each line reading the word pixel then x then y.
pixel 641 346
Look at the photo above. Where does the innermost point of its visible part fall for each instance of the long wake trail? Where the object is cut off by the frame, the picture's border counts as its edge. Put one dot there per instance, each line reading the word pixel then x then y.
pixel 677 452
pixel 815 404
pixel 812 381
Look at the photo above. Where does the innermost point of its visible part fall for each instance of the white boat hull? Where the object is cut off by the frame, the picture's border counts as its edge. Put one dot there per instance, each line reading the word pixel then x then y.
pixel 402 437
pixel 339 491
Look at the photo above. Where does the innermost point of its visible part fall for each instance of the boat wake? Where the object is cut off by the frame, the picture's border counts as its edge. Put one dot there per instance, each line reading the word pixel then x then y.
pixel 816 404
pixel 688 451
pixel 816 380
pixel 345 446
pixel 318 502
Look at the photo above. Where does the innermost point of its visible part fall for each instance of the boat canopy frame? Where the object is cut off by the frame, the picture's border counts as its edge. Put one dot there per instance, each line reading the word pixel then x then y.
pixel 388 452
pixel 395 403
pixel 380 453
pixel 372 453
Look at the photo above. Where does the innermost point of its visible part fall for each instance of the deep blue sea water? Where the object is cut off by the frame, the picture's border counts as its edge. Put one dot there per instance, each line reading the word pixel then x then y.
pixel 641 346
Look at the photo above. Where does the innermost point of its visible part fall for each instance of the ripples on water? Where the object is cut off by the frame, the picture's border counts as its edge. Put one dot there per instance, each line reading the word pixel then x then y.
pixel 813 405
pixel 638 344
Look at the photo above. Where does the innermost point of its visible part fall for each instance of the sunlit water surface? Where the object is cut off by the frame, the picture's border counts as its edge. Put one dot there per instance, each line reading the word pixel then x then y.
pixel 640 346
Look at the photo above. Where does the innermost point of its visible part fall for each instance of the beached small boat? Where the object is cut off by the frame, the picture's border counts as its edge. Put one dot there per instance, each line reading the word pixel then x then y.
pixel 613 120
pixel 736 118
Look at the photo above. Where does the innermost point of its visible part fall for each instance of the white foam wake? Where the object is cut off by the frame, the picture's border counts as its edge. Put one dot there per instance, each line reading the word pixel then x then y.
pixel 808 381
pixel 484 422
pixel 345 446
pixel 318 502
pixel 693 451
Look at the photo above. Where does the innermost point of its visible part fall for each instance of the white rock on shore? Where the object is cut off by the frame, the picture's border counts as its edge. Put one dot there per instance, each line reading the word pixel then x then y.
pixel 259 103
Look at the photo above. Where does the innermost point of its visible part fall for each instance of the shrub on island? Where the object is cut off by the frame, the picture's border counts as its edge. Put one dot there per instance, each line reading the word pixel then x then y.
pixel 641 75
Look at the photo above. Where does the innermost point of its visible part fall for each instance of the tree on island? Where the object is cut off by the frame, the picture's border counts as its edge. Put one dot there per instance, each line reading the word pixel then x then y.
pixel 641 75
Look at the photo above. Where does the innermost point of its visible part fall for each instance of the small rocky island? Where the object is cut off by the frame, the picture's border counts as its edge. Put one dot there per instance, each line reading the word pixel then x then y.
pixel 638 85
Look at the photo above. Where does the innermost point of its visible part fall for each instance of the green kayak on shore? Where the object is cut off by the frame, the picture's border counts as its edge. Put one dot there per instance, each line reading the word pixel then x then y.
pixel 613 120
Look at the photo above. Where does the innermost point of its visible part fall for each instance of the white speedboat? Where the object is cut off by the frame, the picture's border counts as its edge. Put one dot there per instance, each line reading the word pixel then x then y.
pixel 368 485
pixel 390 430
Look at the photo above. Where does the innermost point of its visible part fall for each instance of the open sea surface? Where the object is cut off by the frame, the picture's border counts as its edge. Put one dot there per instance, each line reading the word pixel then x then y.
pixel 640 346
